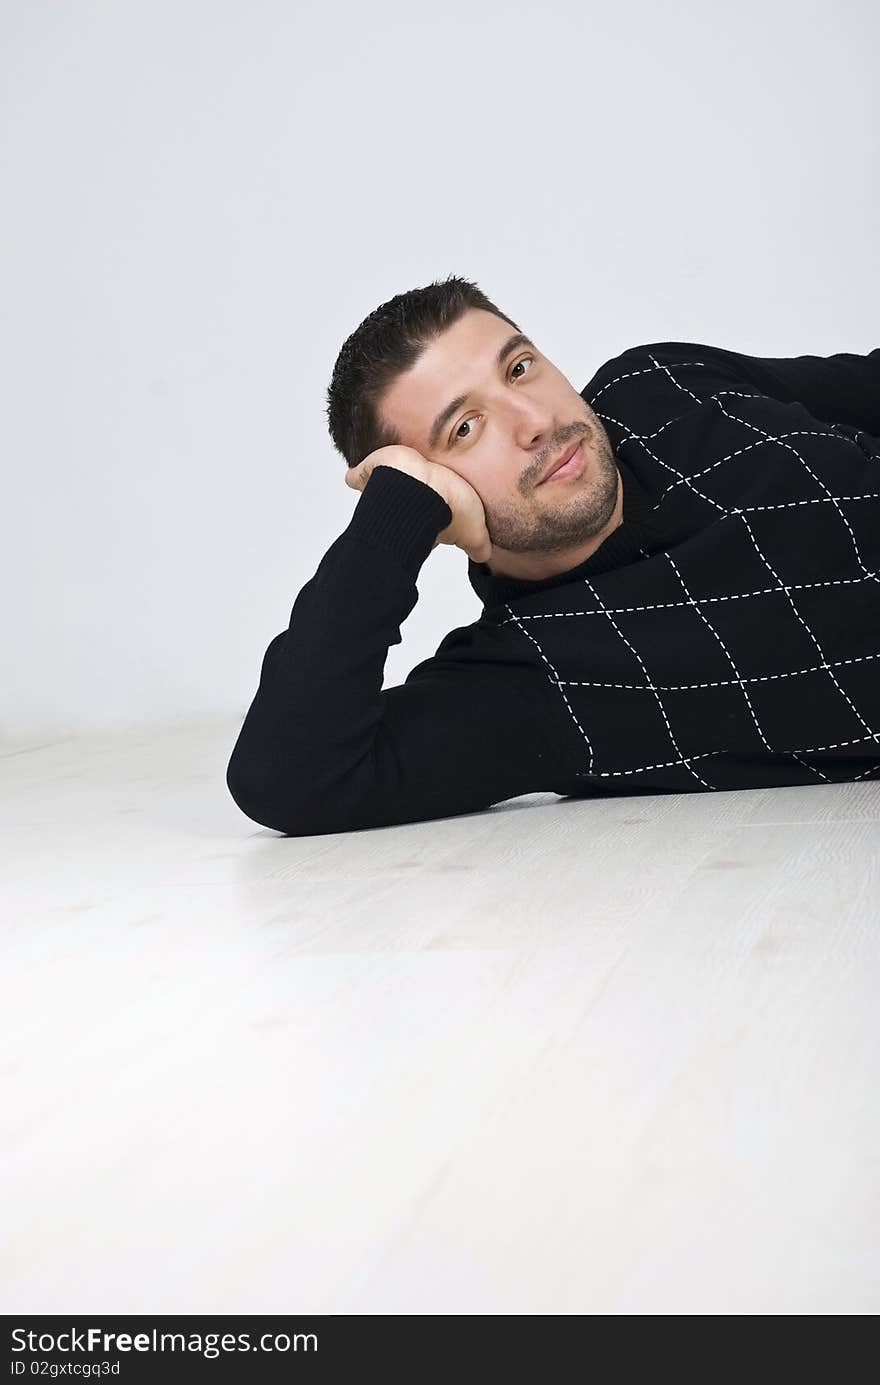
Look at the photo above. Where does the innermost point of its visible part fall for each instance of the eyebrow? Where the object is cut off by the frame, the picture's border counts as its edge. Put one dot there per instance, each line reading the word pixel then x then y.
pixel 455 404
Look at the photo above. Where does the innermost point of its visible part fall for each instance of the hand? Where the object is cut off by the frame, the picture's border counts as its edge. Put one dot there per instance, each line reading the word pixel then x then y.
pixel 468 528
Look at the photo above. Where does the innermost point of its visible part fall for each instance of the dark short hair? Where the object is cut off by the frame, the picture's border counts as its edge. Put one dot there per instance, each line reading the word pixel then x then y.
pixel 386 344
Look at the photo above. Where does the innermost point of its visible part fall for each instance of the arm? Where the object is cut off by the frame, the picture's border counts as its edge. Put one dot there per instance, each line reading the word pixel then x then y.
pixel 324 749
pixel 843 388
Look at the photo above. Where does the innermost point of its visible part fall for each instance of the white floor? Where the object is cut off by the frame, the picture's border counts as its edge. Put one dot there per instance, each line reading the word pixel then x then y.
pixel 612 1057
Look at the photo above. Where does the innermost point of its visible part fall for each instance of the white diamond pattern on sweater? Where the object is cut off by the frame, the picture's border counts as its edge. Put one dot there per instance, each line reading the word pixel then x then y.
pixel 751 626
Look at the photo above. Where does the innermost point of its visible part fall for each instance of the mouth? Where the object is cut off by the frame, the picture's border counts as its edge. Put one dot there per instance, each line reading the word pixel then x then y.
pixel 566 465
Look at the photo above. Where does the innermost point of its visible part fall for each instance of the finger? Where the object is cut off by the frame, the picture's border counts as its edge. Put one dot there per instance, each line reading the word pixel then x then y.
pixel 480 552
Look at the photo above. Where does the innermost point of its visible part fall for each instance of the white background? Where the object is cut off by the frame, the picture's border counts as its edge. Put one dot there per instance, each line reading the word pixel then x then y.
pixel 202 200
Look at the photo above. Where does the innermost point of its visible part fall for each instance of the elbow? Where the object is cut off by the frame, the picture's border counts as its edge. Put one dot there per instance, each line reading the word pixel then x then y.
pixel 244 794
pixel 248 793
pixel 291 817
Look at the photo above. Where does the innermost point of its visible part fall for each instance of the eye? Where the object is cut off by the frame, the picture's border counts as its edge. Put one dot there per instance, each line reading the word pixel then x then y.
pixel 455 436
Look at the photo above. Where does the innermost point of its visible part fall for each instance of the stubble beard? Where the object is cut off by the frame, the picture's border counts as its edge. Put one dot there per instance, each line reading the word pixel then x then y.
pixel 566 515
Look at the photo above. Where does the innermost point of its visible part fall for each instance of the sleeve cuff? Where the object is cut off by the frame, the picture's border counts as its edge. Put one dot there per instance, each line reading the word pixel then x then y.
pixel 400 514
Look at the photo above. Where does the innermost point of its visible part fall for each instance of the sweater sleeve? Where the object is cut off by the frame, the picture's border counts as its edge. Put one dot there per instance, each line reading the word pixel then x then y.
pixel 323 748
pixel 842 388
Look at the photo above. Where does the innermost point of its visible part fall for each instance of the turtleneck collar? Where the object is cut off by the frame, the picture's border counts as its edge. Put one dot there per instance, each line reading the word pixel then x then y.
pixel 622 546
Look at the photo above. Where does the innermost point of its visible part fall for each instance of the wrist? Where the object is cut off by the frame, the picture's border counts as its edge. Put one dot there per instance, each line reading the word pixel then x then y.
pixel 400 514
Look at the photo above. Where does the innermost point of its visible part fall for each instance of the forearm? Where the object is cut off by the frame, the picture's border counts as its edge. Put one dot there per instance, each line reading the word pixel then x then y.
pixel 306 751
pixel 841 388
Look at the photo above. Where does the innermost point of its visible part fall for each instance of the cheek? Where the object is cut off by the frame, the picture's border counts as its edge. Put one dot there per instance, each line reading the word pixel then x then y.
pixel 500 496
pixel 469 469
pixel 496 481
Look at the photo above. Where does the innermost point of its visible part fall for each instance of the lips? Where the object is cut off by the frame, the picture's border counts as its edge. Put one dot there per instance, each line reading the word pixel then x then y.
pixel 560 461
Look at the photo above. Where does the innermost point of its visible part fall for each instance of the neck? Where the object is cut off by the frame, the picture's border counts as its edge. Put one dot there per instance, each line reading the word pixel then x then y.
pixel 533 567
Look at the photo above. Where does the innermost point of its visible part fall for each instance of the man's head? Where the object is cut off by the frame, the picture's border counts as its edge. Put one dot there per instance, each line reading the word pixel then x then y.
pixel 441 369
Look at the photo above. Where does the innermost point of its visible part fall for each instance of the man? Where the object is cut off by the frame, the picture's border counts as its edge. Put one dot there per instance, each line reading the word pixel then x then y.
pixel 679 569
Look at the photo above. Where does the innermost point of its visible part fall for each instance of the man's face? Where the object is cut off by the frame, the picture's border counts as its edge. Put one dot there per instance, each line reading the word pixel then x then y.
pixel 520 414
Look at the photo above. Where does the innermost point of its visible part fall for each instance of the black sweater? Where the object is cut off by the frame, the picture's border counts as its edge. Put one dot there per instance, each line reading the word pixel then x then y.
pixel 725 636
